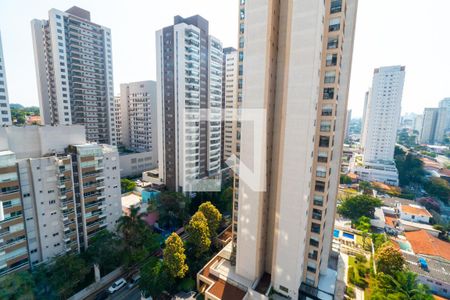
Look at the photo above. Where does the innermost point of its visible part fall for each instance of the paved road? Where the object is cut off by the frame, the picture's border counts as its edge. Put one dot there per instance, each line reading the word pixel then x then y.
pixel 128 294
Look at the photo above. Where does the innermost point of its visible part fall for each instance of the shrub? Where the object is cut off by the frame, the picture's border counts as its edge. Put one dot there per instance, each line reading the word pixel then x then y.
pixel 350 291
pixel 361 258
pixel 351 275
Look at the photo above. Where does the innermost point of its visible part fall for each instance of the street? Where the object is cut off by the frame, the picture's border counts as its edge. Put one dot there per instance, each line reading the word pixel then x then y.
pixel 125 293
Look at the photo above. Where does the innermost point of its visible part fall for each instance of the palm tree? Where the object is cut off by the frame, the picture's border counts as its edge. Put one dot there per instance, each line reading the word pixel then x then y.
pixel 402 285
pixel 131 225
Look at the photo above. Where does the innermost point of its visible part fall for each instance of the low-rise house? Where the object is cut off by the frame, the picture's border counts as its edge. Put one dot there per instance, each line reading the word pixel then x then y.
pixel 414 213
pixel 432 272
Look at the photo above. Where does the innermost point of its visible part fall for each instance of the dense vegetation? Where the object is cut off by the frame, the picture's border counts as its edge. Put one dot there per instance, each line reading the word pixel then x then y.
pixel 358 206
pixel 19 113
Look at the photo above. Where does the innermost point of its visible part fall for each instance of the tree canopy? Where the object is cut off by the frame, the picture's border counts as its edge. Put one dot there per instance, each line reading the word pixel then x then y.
pixel 198 231
pixel 439 188
pixel 173 209
pixel 212 215
pixel 17 286
pixel 355 207
pixel 389 259
pixel 154 277
pixel 402 285
pixel 174 257
pixel 410 168
pixel 127 185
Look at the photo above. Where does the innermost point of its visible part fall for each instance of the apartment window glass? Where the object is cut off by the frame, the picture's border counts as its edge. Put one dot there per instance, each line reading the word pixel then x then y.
pixel 327 110
pixel 325 126
pixel 321 171
pixel 315 228
pixel 320 186
pixel 331 59
pixel 324 141
pixel 330 77
pixel 318 200
pixel 335 24
pixel 332 43
pixel 336 6
pixel 328 93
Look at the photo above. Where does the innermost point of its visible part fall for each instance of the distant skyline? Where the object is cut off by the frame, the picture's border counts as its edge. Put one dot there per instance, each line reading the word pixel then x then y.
pixel 401 32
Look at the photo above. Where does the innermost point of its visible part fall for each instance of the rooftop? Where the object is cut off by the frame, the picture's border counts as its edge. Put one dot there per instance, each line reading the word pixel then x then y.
pixel 394 201
pixel 130 199
pixel 424 243
pixel 415 210
pixel 437 270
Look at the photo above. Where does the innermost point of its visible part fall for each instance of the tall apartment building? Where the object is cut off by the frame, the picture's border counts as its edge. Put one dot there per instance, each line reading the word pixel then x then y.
pixel 383 115
pixel 296 65
pixel 5 112
pixel 434 126
pixel 74 73
pixel 364 118
pixel 58 193
pixel 118 117
pixel 138 116
pixel 229 101
pixel 189 91
pixel 347 123
pixel 445 103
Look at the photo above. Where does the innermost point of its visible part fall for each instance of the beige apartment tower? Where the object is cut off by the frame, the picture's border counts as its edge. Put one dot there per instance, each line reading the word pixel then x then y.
pixel 296 58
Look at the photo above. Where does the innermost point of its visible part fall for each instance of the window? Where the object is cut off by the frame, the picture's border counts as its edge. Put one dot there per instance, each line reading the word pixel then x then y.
pixel 320 186
pixel 321 172
pixel 318 200
pixel 324 141
pixel 284 289
pixel 332 43
pixel 327 110
pixel 331 59
pixel 322 157
pixel 328 93
pixel 335 24
pixel 317 214
pixel 315 228
pixel 330 77
pixel 336 6
pixel 325 126
pixel 314 242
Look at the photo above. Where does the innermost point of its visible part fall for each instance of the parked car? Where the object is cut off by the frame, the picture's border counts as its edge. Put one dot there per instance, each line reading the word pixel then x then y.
pixel 134 280
pixel 117 285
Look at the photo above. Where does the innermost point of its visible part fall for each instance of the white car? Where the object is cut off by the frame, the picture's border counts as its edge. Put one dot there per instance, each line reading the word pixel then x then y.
pixel 120 283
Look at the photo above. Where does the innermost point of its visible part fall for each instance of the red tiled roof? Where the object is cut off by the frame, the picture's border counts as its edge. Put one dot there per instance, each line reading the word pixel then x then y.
pixel 390 221
pixel 414 210
pixel 424 243
pixel 225 291
pixel 436 297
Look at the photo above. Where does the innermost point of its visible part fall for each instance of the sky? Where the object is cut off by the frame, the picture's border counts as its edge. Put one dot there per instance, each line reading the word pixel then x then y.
pixel 413 33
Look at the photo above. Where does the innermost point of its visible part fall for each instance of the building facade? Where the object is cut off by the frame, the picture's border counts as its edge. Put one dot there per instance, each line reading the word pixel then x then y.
pixel 118 117
pixel 229 101
pixel 66 191
pixel 189 92
pixel 5 112
pixel 74 73
pixel 138 116
pixel 383 115
pixel 434 125
pixel 296 65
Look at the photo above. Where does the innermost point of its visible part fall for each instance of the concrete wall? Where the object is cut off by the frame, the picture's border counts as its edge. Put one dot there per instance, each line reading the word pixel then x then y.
pixel 133 164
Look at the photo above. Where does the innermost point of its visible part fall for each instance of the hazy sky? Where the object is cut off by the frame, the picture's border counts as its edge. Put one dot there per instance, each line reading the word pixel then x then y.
pixel 389 32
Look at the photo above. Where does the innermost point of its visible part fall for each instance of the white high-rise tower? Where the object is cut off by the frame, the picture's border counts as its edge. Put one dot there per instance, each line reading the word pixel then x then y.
pixel 5 112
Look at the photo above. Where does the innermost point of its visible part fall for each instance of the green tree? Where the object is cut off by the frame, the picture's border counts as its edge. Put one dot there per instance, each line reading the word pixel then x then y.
pixel 378 239
pixel 173 209
pixel 344 179
pixel 17 286
pixel 438 187
pixel 410 168
pixel 400 286
pixel 198 231
pixel 66 272
pixel 389 259
pixel 138 239
pixel 174 257
pixel 365 187
pixel 358 206
pixel 154 278
pixel 104 250
pixel 212 215
pixel 127 185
